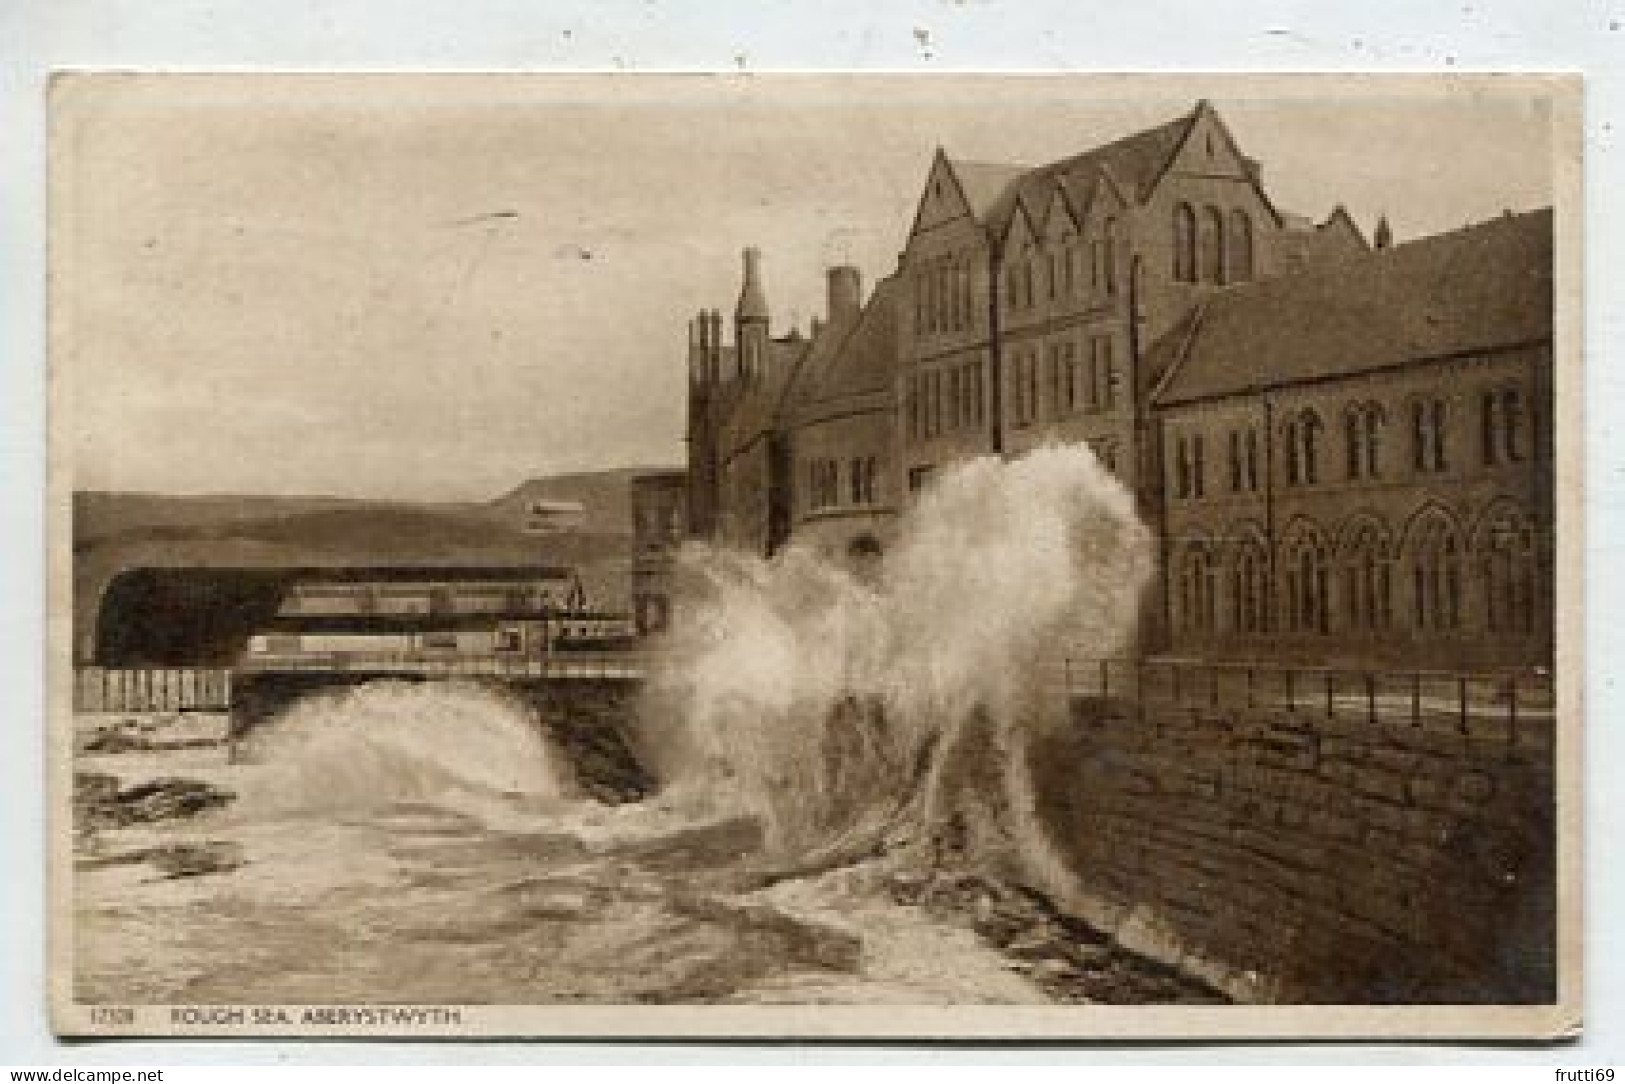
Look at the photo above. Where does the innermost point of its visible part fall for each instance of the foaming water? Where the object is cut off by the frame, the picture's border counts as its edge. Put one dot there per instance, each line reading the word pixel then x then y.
pixel 849 707
pixel 454 745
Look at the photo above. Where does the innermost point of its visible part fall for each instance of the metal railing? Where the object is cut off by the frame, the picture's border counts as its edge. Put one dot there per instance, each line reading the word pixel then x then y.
pixel 577 665
pixel 153 688
pixel 1455 698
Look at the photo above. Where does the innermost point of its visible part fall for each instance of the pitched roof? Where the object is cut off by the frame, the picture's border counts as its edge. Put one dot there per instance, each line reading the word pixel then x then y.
pixel 863 360
pixel 1136 162
pixel 1478 288
pixel 984 182
pixel 754 406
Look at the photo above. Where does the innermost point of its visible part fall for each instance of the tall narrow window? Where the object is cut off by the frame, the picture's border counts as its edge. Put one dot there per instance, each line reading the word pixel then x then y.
pixel 1109 363
pixel 1307 605
pixel 1235 461
pixel 1198 466
pixel 1428 435
pixel 1289 445
pixel 1109 234
pixel 1440 433
pixel 1032 385
pixel 1210 245
pixel 1309 426
pixel 1252 461
pixel 1512 423
pixel 1373 422
pixel 1366 581
pixel 1436 576
pixel 1513 574
pixel 1239 248
pixel 1184 243
pixel 1070 361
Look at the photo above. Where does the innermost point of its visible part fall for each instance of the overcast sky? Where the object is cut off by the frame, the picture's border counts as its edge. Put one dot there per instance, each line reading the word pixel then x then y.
pixel 423 288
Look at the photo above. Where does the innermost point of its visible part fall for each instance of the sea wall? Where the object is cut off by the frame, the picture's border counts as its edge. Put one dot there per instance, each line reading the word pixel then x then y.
pixel 1311 855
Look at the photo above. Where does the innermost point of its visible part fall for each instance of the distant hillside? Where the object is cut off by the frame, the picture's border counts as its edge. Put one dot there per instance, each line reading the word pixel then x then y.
pixel 115 531
pixel 604 494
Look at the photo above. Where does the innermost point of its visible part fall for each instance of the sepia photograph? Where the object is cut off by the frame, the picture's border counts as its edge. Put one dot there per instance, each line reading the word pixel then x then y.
pixel 847 556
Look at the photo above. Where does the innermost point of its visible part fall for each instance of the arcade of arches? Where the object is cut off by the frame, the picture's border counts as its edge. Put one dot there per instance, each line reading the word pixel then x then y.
pixel 1365 582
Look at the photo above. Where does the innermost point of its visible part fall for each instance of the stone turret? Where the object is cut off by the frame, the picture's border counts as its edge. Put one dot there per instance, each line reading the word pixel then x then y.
pixel 1383 236
pixel 751 319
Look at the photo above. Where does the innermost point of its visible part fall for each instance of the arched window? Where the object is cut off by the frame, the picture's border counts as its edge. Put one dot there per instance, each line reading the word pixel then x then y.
pixel 1435 560
pixel 1514 574
pixel 1198 590
pixel 1184 243
pixel 1366 580
pixel 1428 435
pixel 1363 423
pixel 1248 572
pixel 1243 461
pixel 1239 248
pixel 1306 598
pixel 1210 245
pixel 1502 421
pixel 1300 437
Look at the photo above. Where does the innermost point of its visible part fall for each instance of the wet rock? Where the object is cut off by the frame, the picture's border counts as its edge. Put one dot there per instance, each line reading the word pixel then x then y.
pixel 812 943
pixel 122 741
pixel 1069 959
pixel 196 859
pixel 99 803
pixel 174 859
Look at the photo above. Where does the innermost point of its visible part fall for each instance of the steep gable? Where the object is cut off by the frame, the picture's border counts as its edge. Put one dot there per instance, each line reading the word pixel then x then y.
pixel 1058 219
pixel 1208 149
pixel 943 197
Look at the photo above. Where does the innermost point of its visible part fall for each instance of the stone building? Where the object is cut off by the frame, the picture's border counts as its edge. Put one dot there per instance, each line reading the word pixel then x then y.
pixel 1148 297
pixel 659 525
pixel 1358 458
pixel 841 423
pixel 738 458
pixel 1034 292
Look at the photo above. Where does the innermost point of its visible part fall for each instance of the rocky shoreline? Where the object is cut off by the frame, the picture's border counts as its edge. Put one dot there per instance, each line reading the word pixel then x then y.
pixel 1070 960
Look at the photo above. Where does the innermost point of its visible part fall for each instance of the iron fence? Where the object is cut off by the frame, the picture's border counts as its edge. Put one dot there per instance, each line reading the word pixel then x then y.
pixel 1421 697
pixel 571 665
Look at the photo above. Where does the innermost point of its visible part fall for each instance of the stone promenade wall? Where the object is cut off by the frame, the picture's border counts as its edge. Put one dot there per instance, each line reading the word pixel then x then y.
pixel 1295 855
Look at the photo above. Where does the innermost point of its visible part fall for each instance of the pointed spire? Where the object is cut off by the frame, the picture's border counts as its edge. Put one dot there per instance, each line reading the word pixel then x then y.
pixel 752 307
pixel 1383 236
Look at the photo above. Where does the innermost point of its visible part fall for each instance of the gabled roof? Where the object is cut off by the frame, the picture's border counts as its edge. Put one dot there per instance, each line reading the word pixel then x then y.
pixel 1135 162
pixel 1480 288
pixel 983 182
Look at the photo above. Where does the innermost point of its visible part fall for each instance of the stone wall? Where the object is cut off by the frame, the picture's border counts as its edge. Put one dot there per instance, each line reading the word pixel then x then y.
pixel 1291 856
